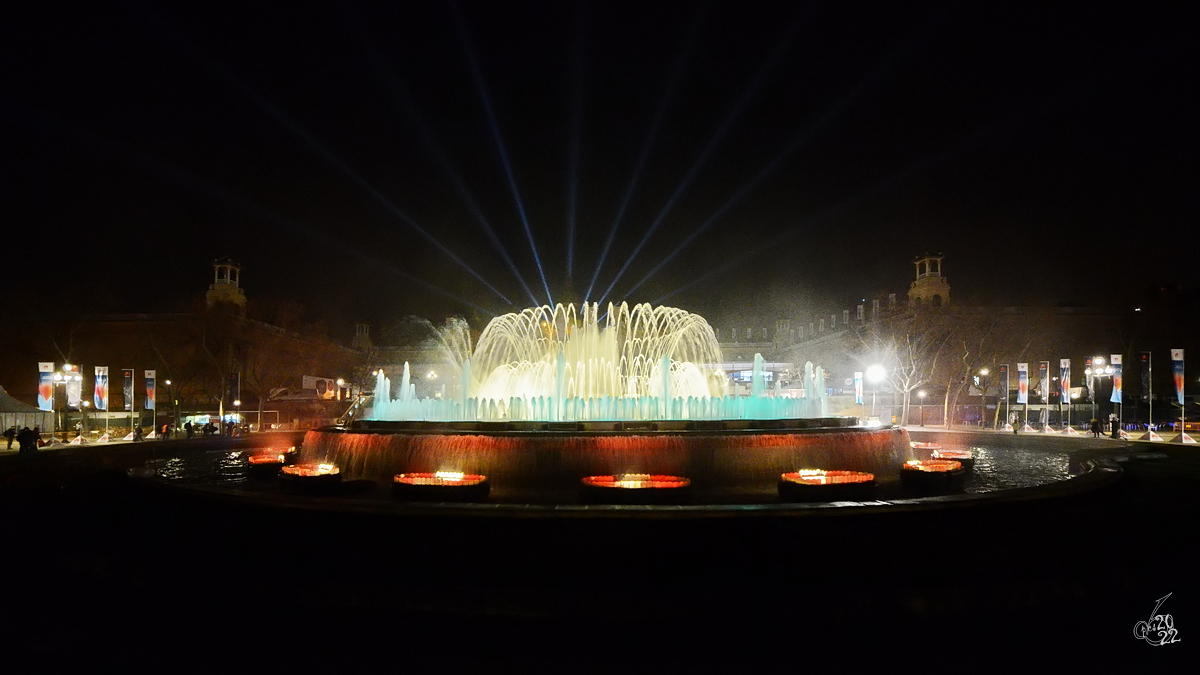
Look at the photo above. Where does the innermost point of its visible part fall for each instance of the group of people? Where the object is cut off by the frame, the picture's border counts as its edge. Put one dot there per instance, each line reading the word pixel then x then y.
pixel 29 439
pixel 1097 428
pixel 207 429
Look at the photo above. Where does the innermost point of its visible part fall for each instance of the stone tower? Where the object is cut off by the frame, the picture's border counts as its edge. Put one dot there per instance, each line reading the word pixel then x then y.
pixel 930 287
pixel 362 336
pixel 224 287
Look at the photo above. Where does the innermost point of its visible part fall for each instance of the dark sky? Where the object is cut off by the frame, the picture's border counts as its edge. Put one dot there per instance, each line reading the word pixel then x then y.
pixel 757 158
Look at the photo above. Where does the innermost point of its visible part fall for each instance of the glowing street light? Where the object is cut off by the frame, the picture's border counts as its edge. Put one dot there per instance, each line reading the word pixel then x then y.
pixel 875 374
pixel 1098 372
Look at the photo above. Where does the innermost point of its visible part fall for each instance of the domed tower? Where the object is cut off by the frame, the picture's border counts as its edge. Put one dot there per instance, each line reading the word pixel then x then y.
pixel 930 287
pixel 224 287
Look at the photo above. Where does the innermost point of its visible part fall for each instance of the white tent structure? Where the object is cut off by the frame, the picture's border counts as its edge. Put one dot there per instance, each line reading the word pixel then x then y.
pixel 15 413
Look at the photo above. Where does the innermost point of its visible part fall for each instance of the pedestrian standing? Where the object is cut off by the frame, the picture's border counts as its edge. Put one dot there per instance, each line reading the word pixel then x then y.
pixel 10 433
pixel 26 439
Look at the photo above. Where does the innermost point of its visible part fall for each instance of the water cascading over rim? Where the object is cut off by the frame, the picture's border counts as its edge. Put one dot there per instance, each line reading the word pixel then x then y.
pixel 563 364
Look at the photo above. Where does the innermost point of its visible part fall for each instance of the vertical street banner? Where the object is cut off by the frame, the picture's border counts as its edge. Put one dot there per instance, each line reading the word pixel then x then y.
pixel 1004 382
pixel 1090 374
pixel 858 388
pixel 149 390
pixel 45 385
pixel 1064 380
pixel 1115 360
pixel 74 386
pixel 100 388
pixel 1044 381
pixel 1022 383
pixel 1177 367
pixel 1146 365
pixel 128 391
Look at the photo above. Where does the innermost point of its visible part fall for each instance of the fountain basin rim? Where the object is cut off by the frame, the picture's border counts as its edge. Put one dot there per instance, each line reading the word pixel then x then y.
pixel 608 428
pixel 1094 475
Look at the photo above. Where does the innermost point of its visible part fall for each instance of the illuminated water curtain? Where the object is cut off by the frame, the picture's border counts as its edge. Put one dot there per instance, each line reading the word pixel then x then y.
pixel 563 364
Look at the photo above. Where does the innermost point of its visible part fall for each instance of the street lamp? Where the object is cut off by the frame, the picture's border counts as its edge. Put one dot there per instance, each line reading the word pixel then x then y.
pixel 1097 372
pixel 921 396
pixel 70 374
pixel 982 386
pixel 875 374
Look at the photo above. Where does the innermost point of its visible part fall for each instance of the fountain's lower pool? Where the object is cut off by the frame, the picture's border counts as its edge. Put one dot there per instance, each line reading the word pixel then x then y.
pixel 723 470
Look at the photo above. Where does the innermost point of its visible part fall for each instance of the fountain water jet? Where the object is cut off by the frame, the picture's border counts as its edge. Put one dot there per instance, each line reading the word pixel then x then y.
pixel 563 364
pixel 554 395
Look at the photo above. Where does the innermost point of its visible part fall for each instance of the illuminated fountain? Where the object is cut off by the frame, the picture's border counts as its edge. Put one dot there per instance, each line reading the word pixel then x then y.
pixel 551 396
pixel 552 365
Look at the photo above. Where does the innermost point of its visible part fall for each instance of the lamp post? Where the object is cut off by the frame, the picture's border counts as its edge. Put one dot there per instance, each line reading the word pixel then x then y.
pixel 921 396
pixel 58 424
pixel 875 374
pixel 174 405
pixel 979 382
pixel 1097 373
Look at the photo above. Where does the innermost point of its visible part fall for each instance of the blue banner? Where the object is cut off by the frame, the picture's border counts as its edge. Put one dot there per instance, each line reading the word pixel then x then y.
pixel 1177 366
pixel 45 399
pixel 1116 375
pixel 858 388
pixel 1064 380
pixel 100 390
pixel 149 390
pixel 1022 383
pixel 129 389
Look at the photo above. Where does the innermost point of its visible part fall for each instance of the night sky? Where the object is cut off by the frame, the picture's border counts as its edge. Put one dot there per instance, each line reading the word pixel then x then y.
pixel 757 159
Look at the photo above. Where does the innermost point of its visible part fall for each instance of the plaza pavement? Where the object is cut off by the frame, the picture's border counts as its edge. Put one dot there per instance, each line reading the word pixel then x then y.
pixel 98 567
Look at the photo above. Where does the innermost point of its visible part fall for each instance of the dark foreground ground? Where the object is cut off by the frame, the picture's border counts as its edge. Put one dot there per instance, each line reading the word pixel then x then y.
pixel 104 571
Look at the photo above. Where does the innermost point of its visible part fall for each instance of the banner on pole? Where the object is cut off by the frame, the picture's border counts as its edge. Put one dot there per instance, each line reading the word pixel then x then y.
pixel 858 388
pixel 1115 359
pixel 74 386
pixel 100 389
pixel 1022 383
pixel 1177 366
pixel 1004 382
pixel 149 390
pixel 45 399
pixel 128 389
pixel 1064 380
pixel 1147 364
pixel 1090 373
pixel 1044 381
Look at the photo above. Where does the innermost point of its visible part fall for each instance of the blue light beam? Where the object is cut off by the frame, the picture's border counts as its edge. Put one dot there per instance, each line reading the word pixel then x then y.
pixel 435 150
pixel 701 160
pixel 495 127
pixel 576 132
pixel 212 65
pixel 659 115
